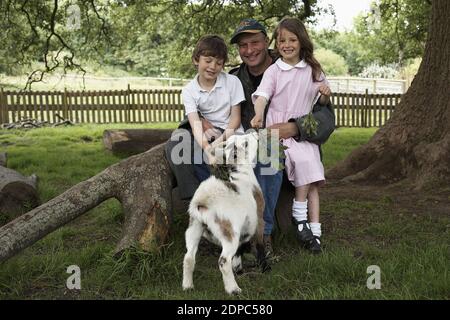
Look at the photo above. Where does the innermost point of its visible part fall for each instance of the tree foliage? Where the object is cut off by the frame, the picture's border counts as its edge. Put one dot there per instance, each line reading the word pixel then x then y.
pixel 36 31
pixel 332 63
pixel 156 38
pixel 147 37
pixel 393 32
pixel 400 25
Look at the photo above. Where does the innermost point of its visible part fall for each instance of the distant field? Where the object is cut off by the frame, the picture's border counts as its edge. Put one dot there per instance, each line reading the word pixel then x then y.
pixel 121 82
pixel 73 82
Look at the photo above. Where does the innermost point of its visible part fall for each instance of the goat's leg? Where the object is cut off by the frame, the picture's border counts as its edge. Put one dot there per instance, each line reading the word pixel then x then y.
pixel 259 235
pixel 261 257
pixel 236 264
pixel 228 251
pixel 237 259
pixel 193 235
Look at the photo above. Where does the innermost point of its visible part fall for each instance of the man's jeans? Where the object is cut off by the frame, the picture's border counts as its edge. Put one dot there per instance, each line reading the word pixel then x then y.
pixel 270 183
pixel 202 171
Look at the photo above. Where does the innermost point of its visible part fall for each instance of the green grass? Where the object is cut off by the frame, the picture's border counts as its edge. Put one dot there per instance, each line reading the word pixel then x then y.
pixel 342 142
pixel 411 251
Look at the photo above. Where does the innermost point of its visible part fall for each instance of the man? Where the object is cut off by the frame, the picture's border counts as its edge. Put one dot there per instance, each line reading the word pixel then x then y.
pixel 253 47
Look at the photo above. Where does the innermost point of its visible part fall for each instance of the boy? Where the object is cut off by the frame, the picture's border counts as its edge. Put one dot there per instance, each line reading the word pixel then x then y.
pixel 214 95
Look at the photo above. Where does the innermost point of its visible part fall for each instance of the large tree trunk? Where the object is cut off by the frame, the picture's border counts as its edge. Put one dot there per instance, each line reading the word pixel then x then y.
pixel 415 143
pixel 142 183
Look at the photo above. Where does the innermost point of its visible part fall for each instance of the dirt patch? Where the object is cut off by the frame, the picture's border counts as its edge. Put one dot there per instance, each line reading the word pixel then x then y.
pixel 394 196
pixel 382 215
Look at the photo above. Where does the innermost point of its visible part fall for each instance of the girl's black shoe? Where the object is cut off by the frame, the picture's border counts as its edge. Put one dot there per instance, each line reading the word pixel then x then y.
pixel 315 245
pixel 305 236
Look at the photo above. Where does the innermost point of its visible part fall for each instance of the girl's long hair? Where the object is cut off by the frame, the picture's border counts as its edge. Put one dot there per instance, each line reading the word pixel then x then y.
pixel 297 27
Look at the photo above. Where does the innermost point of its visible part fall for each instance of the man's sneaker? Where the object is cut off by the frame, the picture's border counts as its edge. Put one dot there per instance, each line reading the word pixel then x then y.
pixel 315 245
pixel 305 236
pixel 268 250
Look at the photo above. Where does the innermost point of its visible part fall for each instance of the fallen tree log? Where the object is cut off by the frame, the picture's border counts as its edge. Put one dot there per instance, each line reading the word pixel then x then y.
pixel 18 194
pixel 134 141
pixel 142 183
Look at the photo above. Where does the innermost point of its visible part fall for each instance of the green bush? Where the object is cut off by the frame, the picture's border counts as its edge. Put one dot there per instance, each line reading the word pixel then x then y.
pixel 332 63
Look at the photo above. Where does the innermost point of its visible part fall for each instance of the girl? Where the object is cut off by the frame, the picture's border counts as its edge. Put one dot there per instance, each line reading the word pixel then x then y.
pixel 291 84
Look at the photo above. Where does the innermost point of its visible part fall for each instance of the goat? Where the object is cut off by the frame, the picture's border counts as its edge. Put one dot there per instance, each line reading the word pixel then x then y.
pixel 228 212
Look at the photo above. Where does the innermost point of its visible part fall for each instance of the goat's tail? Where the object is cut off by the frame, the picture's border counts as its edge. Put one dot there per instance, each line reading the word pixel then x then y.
pixel 198 208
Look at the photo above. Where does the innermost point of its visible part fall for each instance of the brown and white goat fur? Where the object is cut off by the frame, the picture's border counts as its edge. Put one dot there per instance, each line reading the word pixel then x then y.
pixel 228 213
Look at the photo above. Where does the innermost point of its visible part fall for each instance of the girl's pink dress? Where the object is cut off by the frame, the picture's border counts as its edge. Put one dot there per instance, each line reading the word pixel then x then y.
pixel 291 92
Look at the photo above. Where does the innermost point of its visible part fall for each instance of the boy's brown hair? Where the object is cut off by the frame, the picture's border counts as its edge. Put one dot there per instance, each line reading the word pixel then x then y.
pixel 210 46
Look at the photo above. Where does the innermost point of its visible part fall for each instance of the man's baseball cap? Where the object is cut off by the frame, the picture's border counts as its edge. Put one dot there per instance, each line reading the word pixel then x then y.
pixel 248 26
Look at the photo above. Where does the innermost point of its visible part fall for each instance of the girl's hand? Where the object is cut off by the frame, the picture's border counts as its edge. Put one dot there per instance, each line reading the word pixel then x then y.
pixel 257 121
pixel 325 90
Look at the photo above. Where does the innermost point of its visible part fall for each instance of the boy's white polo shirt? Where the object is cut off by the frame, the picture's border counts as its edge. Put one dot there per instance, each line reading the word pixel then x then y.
pixel 214 105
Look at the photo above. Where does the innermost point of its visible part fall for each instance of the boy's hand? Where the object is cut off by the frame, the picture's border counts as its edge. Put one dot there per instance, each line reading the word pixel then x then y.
pixel 206 125
pixel 209 130
pixel 325 90
pixel 257 121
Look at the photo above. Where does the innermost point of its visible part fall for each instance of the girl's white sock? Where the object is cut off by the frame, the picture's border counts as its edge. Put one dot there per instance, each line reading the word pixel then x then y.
pixel 299 211
pixel 315 228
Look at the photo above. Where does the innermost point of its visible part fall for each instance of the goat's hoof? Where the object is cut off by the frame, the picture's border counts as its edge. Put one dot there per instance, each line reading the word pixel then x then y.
pixel 188 286
pixel 265 266
pixel 235 291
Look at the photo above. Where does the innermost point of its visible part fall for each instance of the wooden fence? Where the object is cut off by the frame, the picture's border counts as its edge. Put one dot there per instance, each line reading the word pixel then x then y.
pixel 162 105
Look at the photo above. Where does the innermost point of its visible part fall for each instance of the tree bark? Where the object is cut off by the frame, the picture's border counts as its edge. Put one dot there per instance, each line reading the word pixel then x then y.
pixel 18 193
pixel 415 143
pixel 143 185
pixel 133 141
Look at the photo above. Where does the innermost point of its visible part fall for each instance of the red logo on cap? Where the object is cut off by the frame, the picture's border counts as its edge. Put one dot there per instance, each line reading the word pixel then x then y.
pixel 244 24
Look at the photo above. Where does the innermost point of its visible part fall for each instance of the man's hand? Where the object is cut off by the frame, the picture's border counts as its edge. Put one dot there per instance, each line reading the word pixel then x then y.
pixel 285 130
